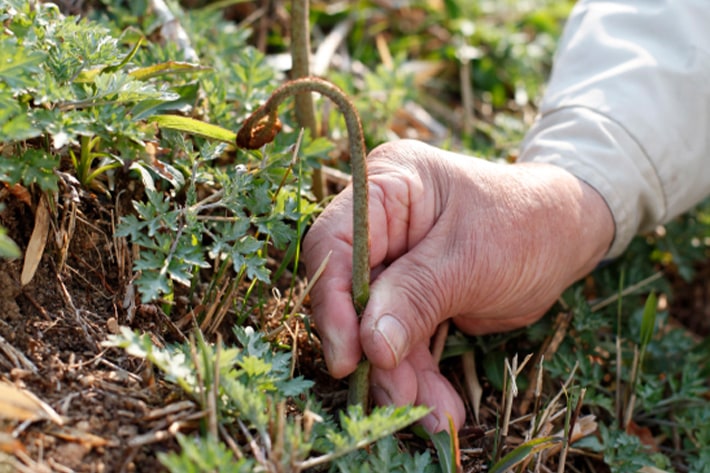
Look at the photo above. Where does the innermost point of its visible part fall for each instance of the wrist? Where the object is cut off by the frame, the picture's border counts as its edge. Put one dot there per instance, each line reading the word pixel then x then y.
pixel 579 218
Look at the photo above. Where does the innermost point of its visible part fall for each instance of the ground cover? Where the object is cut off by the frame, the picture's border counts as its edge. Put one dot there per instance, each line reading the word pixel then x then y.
pixel 153 307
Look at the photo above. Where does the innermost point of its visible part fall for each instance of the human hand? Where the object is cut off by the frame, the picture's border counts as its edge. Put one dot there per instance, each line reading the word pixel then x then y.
pixel 491 246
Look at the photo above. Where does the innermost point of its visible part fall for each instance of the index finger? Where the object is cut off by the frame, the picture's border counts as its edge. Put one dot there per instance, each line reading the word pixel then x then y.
pixel 329 242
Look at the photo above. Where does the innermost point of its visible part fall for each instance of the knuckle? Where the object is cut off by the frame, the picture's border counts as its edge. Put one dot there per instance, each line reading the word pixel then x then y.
pixel 401 151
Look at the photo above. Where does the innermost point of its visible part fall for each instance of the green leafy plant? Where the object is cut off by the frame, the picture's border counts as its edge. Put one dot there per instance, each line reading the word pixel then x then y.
pixel 244 392
pixel 69 82
pixel 83 163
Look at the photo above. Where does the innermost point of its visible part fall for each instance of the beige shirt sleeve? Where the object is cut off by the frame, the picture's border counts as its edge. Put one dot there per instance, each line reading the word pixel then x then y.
pixel 627 108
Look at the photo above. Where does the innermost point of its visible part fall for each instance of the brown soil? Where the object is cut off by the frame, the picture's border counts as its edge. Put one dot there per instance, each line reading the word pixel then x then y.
pixel 116 414
pixel 52 332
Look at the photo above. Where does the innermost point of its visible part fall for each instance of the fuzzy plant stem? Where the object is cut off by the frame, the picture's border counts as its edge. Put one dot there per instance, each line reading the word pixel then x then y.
pixel 262 126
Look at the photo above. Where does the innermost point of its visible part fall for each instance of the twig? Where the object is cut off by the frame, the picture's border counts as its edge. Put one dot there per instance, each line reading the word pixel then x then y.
pixel 16 356
pixel 309 286
pixel 473 385
pixel 230 442
pixel 551 405
pixel 569 430
pixel 548 350
pixel 316 276
pixel 213 394
pixel 255 450
pixel 42 311
pixel 149 438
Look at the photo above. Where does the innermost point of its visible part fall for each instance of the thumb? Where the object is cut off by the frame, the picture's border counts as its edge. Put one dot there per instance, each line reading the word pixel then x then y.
pixel 407 302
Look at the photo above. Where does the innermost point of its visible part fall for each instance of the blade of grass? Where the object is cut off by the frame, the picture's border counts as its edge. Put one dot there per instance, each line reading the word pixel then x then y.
pixel 522 452
pixel 166 68
pixel 194 127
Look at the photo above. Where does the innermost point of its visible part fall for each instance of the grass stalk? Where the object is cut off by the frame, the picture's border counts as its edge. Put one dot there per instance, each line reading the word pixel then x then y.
pixel 619 392
pixel 300 57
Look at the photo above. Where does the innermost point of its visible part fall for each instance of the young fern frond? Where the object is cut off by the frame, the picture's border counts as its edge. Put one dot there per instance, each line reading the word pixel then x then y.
pixel 262 126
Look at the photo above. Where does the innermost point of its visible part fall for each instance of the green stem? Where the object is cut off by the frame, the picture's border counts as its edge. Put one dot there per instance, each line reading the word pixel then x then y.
pixel 300 56
pixel 261 127
pixel 300 52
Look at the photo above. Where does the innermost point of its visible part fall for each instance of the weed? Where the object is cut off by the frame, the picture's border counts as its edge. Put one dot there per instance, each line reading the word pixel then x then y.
pixel 246 391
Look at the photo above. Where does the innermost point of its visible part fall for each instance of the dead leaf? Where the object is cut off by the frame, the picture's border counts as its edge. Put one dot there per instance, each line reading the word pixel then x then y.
pixel 21 405
pixel 21 193
pixel 584 427
pixel 644 434
pixel 473 386
pixel 547 352
pixel 35 248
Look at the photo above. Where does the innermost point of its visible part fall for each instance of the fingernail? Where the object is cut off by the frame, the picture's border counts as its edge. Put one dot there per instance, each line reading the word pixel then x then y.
pixel 394 335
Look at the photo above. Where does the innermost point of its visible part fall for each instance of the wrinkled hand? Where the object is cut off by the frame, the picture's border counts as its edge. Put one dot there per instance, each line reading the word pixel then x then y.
pixel 491 246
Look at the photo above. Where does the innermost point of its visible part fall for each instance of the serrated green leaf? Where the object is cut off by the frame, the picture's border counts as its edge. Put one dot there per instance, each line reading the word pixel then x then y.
pixel 18 65
pixel 87 76
pixel 249 402
pixel 279 232
pixel 16 125
pixel 187 96
pixel 254 366
pixel 385 456
pixel 294 387
pixel 256 268
pixel 34 166
pixel 151 285
pixel 203 454
pixel 119 87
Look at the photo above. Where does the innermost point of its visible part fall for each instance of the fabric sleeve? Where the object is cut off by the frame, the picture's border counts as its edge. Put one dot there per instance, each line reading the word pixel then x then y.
pixel 627 108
